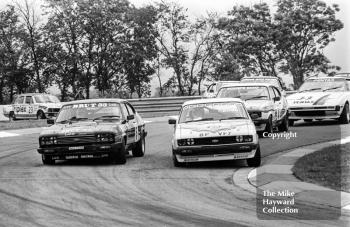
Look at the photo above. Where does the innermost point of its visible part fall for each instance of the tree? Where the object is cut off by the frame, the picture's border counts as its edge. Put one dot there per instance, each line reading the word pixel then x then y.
pixel 305 28
pixel 249 35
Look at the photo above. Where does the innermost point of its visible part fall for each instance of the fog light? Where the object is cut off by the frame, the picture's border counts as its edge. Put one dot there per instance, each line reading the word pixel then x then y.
pixel 186 151
pixel 239 139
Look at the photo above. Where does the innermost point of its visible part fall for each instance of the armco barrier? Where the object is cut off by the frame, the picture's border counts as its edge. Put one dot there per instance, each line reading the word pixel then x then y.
pixel 149 107
pixel 152 107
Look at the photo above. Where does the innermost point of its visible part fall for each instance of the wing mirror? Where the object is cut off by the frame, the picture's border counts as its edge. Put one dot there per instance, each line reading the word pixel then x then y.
pixel 172 121
pixel 130 117
pixel 276 99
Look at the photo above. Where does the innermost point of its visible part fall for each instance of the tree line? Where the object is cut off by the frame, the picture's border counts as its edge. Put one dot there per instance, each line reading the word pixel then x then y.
pixel 115 47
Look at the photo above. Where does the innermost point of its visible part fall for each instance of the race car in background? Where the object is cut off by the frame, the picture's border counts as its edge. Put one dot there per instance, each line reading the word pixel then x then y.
pixel 215 87
pixel 321 98
pixel 33 105
pixel 273 80
pixel 94 128
pixel 214 130
pixel 266 105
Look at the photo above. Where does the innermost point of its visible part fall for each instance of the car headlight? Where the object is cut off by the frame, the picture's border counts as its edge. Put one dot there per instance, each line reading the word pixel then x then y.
pixel 244 139
pixel 105 137
pixel 47 140
pixel 185 142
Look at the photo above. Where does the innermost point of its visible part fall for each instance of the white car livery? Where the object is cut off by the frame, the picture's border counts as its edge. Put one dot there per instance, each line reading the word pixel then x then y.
pixel 266 105
pixel 33 105
pixel 214 130
pixel 321 98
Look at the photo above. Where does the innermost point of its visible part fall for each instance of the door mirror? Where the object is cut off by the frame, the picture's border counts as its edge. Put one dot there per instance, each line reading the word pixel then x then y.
pixel 172 121
pixel 276 99
pixel 130 117
pixel 50 121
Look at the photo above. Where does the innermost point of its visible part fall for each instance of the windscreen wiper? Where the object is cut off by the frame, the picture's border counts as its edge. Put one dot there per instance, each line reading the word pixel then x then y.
pixel 313 89
pixel 106 117
pixel 255 97
pixel 332 88
pixel 203 119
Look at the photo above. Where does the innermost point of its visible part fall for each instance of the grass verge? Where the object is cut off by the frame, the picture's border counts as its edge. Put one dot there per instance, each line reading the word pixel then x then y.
pixel 20 124
pixel 329 167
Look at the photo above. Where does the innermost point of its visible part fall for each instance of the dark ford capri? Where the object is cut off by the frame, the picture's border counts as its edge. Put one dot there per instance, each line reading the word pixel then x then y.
pixel 95 128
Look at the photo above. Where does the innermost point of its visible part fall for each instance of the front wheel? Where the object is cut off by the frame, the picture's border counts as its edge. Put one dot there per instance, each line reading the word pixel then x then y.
pixel 345 115
pixel 256 160
pixel 176 162
pixel 47 160
pixel 118 156
pixel 40 115
pixel 12 116
pixel 269 126
pixel 140 148
pixel 284 126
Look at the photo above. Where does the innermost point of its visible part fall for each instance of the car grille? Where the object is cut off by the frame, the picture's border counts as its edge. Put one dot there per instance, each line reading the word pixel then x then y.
pixel 214 141
pixel 82 139
pixel 255 113
pixel 310 113
pixel 53 111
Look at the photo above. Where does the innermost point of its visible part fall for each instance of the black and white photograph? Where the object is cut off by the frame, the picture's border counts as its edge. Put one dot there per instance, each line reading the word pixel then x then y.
pixel 174 113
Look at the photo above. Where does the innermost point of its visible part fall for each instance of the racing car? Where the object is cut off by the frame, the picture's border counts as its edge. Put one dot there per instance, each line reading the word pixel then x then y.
pixel 33 105
pixel 320 98
pixel 214 130
pixel 273 80
pixel 215 87
pixel 94 128
pixel 266 105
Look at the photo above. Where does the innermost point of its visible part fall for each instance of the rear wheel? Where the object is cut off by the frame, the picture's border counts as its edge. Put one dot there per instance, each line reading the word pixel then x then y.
pixel 140 148
pixel 40 115
pixel 256 160
pixel 47 160
pixel 118 156
pixel 345 115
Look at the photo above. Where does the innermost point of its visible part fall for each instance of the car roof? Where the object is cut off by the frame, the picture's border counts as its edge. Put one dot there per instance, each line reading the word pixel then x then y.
pixel 85 101
pixel 328 77
pixel 248 84
pixel 260 77
pixel 211 100
pixel 25 94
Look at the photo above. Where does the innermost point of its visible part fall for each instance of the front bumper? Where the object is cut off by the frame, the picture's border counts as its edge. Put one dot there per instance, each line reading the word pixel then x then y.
pixel 80 151
pixel 315 112
pixel 215 152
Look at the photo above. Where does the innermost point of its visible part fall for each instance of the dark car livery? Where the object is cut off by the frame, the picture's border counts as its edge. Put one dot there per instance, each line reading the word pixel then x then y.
pixel 95 128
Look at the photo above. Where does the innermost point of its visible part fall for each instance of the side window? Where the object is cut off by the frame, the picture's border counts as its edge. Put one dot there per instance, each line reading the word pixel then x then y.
pixel 272 94
pixel 130 109
pixel 124 109
pixel 19 100
pixel 29 100
pixel 277 92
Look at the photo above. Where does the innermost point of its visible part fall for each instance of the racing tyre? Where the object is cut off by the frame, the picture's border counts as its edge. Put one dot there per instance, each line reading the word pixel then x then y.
pixel 140 148
pixel 118 156
pixel 47 160
pixel 283 127
pixel 269 126
pixel 176 162
pixel 256 160
pixel 40 115
pixel 291 122
pixel 12 116
pixel 345 115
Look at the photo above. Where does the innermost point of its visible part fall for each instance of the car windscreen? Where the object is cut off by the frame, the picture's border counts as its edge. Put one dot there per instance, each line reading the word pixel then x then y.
pixel 271 81
pixel 89 111
pixel 212 111
pixel 46 99
pixel 244 92
pixel 331 85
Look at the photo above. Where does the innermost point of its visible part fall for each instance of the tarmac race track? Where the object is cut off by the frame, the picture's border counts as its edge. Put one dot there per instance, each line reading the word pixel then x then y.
pixel 146 191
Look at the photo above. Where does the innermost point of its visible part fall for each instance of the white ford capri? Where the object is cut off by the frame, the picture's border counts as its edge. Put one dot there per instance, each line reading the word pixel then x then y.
pixel 321 98
pixel 214 130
